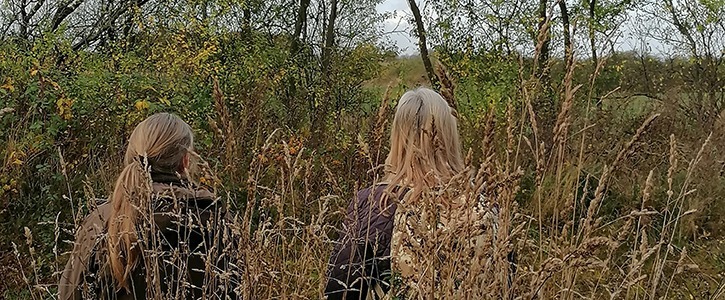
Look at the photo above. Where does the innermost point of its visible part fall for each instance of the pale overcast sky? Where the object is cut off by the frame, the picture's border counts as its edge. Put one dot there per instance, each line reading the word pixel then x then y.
pixel 397 28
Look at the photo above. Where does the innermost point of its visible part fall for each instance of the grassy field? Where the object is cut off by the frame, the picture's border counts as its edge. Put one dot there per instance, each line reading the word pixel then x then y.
pixel 597 126
pixel 621 201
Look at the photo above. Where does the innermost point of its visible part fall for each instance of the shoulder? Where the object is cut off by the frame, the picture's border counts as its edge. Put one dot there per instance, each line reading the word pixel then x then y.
pixel 362 198
pixel 89 235
pixel 181 191
pixel 374 195
pixel 366 192
pixel 91 230
pixel 94 224
pixel 379 191
pixel 171 202
pixel 167 196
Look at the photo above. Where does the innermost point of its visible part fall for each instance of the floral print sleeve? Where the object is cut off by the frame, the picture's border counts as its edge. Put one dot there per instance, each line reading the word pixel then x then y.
pixel 426 234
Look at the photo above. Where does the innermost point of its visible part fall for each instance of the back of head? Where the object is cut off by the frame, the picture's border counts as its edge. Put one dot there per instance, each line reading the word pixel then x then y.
pixel 425 148
pixel 164 139
pixel 160 143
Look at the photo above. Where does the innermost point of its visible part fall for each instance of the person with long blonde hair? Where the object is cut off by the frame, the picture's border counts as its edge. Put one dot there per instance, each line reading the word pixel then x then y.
pixel 425 148
pixel 152 239
pixel 425 152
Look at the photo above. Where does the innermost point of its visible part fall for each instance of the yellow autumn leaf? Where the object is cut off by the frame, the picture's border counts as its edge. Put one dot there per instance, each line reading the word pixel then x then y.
pixel 64 108
pixel 8 85
pixel 55 85
pixel 33 72
pixel 141 105
pixel 17 162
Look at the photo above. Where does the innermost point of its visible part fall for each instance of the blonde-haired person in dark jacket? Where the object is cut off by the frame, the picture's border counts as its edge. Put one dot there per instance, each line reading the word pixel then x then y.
pixel 425 152
pixel 159 236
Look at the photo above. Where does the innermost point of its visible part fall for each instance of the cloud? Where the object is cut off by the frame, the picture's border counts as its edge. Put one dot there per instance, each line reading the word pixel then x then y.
pixel 392 5
pixel 396 27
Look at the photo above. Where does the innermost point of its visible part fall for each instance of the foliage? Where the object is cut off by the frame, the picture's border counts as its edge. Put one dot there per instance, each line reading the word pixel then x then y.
pixel 597 204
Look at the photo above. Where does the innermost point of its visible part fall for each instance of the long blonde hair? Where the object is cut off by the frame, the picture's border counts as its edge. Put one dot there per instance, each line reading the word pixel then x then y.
pixel 425 148
pixel 160 143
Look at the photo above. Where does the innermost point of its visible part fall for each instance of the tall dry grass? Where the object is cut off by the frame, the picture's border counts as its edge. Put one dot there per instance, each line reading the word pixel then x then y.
pixel 557 245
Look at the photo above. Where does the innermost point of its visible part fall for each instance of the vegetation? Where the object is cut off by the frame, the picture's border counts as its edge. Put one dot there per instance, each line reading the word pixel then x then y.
pixel 608 166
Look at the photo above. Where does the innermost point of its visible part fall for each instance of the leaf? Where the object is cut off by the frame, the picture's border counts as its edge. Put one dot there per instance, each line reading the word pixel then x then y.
pixel 55 85
pixel 8 85
pixel 64 108
pixel 141 105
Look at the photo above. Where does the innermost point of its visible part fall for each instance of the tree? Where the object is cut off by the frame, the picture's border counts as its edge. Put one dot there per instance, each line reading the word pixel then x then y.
pixel 300 23
pixel 329 38
pixel 422 46
pixel 542 40
pixel 604 17
pixel 592 6
pixel 568 50
pixel 695 29
pixel 543 104
pixel 64 9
